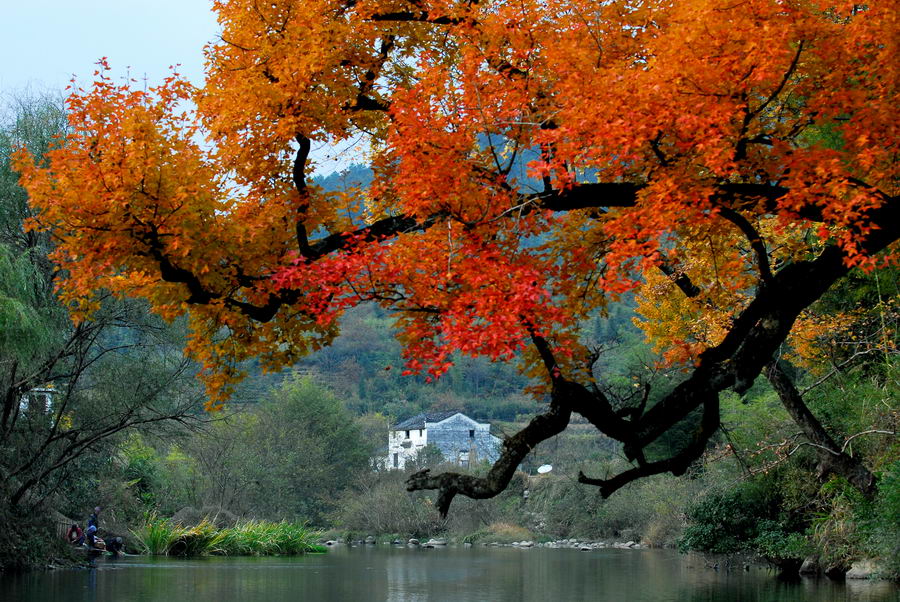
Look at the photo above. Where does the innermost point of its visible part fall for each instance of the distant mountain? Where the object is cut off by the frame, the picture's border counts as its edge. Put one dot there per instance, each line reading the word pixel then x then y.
pixel 357 175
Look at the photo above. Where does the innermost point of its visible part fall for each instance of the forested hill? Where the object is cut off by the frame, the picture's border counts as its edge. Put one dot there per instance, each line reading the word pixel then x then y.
pixel 360 176
pixel 364 368
pixel 364 365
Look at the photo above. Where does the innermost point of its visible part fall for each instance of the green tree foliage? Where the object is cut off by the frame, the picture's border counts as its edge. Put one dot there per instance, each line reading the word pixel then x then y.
pixel 429 456
pixel 29 318
pixel 32 322
pixel 310 447
pixel 287 457
pixel 364 367
pixel 882 525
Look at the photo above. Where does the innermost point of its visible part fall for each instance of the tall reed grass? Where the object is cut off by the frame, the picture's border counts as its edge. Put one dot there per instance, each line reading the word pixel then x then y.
pixel 159 536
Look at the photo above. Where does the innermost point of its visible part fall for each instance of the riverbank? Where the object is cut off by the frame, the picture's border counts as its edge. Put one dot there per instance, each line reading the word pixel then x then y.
pixel 864 569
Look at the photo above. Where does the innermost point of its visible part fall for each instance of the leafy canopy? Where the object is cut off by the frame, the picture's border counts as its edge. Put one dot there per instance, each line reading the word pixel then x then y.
pixel 670 101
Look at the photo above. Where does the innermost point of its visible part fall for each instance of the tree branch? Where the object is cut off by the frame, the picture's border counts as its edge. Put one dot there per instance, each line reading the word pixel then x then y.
pixel 415 17
pixel 299 176
pixel 515 448
pixel 676 464
pixel 832 458
pixel 755 240
pixel 581 196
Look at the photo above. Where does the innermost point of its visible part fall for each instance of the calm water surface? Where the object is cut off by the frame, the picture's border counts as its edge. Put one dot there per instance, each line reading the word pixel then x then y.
pixel 382 573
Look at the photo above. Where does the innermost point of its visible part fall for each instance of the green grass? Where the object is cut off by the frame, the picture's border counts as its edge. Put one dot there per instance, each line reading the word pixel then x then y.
pixel 247 538
pixel 156 536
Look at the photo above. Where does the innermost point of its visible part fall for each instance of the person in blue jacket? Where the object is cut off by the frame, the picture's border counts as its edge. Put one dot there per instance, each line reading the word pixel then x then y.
pixel 92 526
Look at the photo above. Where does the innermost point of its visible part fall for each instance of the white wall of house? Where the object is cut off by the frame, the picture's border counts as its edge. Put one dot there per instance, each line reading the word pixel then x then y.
pixel 404 445
pixel 38 399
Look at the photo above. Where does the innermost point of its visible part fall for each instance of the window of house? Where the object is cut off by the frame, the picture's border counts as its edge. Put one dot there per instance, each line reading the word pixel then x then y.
pixel 420 432
pixel 407 434
pixel 396 460
pixel 471 433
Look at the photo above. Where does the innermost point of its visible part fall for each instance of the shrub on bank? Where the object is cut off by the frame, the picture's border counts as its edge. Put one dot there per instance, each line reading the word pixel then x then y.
pixel 156 536
pixel 751 517
pixel 857 529
pixel 501 533
pixel 650 510
pixel 380 504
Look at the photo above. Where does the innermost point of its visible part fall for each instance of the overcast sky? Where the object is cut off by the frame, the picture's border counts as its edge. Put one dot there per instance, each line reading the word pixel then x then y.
pixel 43 43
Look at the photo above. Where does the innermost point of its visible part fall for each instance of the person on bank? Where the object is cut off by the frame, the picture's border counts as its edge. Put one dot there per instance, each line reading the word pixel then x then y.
pixel 93 525
pixel 94 518
pixel 116 546
pixel 74 535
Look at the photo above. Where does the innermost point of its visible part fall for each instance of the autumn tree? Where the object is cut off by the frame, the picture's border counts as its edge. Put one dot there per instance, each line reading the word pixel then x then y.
pixel 68 391
pixel 742 154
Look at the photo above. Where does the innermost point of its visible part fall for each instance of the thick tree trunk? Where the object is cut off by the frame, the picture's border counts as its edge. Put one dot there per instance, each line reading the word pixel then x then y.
pixel 832 460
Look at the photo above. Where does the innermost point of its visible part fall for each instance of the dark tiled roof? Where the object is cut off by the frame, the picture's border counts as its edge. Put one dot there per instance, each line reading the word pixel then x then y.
pixel 418 421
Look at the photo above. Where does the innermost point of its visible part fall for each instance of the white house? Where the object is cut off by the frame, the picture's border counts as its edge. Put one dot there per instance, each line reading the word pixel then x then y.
pixel 459 438
pixel 38 399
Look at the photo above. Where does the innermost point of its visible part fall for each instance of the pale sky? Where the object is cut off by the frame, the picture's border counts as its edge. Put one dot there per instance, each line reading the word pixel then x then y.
pixel 43 43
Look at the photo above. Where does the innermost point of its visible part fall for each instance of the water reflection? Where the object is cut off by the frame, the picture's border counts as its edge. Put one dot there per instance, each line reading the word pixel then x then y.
pixel 419 575
pixel 92 582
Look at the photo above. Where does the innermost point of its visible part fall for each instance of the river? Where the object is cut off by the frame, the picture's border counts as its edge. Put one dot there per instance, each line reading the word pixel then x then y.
pixel 401 574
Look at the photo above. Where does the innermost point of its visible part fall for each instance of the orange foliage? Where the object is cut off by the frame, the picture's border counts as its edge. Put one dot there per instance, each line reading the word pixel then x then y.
pixel 698 105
